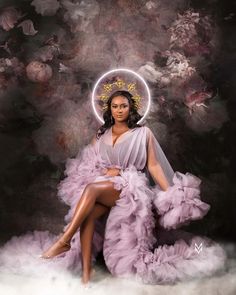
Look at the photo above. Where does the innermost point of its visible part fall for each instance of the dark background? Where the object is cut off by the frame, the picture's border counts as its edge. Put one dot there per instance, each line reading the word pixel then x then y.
pixel 46 118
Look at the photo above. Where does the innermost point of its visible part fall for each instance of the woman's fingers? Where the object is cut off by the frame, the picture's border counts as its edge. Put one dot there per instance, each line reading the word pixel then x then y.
pixel 113 172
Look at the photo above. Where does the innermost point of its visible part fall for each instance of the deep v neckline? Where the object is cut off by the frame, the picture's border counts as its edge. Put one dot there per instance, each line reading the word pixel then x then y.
pixel 113 144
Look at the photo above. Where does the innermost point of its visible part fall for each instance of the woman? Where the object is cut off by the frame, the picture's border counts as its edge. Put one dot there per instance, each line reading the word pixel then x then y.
pixel 114 209
pixel 98 197
pixel 105 191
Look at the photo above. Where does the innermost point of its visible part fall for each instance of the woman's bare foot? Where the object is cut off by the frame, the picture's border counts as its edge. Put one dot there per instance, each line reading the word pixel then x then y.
pixel 57 248
pixel 87 275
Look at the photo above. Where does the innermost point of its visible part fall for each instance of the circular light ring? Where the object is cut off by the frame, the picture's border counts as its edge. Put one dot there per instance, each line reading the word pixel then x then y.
pixel 127 71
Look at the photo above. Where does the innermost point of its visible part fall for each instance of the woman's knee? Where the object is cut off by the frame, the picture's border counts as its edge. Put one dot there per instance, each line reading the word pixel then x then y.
pixel 91 190
pixel 102 192
pixel 99 187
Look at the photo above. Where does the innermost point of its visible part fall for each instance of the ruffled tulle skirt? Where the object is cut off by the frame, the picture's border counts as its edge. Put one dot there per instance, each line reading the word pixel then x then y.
pixel 140 238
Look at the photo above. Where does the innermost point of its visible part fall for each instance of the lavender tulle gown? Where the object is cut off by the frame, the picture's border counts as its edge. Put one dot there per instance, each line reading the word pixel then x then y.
pixel 140 237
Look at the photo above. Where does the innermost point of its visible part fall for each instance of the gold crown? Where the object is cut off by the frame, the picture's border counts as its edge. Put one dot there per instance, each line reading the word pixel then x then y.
pixel 119 84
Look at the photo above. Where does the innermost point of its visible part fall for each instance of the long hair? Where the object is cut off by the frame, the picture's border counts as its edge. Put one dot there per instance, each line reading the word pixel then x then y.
pixel 133 117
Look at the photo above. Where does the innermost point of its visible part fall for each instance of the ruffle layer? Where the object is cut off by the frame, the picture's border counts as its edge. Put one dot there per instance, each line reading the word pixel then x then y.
pixel 181 202
pixel 129 234
pixel 130 223
pixel 80 171
pixel 180 261
pixel 129 239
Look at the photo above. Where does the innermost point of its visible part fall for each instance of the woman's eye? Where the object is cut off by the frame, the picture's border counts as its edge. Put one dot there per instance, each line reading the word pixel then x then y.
pixel 122 106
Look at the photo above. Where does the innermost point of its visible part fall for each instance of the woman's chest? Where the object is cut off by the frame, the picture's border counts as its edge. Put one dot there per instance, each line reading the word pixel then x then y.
pixel 129 149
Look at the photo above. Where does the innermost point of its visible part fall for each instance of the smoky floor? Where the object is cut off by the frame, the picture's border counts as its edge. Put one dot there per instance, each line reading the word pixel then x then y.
pixel 104 283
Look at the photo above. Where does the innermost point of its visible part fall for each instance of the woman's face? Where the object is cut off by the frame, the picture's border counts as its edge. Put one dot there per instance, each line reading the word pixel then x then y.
pixel 120 108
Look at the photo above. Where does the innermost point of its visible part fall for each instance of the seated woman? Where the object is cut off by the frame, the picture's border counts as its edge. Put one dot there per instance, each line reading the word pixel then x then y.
pixel 110 179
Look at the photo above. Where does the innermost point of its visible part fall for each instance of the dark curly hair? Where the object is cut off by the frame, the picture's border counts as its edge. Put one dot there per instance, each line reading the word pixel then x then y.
pixel 133 118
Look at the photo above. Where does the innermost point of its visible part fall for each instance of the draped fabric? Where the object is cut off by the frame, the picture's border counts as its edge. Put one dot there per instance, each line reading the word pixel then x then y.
pixel 140 237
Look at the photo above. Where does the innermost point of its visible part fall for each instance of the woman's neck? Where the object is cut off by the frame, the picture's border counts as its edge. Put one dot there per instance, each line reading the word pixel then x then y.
pixel 120 126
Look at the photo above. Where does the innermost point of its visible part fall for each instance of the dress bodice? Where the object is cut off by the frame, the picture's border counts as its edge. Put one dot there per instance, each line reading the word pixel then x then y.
pixel 129 149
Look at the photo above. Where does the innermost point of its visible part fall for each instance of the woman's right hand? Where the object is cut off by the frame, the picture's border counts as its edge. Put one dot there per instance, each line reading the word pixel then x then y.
pixel 112 171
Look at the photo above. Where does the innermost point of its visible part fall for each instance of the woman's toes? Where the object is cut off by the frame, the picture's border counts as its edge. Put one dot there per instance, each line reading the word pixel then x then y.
pixel 58 248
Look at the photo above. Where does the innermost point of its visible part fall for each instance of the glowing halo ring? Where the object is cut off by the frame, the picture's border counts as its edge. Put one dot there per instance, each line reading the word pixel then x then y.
pixel 119 70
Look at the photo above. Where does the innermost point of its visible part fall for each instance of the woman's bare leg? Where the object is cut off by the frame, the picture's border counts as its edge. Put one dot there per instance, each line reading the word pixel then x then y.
pixel 86 237
pixel 102 192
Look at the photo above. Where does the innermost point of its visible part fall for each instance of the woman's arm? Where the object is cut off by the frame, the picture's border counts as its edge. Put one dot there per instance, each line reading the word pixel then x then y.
pixel 153 164
pixel 158 176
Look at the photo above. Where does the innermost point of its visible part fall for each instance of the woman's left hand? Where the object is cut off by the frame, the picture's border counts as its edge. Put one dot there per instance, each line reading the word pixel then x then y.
pixel 112 171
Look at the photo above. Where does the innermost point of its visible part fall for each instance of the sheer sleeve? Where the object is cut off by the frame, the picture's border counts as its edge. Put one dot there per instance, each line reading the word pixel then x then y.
pixel 181 202
pixel 157 163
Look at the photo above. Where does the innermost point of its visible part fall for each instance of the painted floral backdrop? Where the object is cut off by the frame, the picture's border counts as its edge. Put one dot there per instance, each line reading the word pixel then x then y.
pixel 52 52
